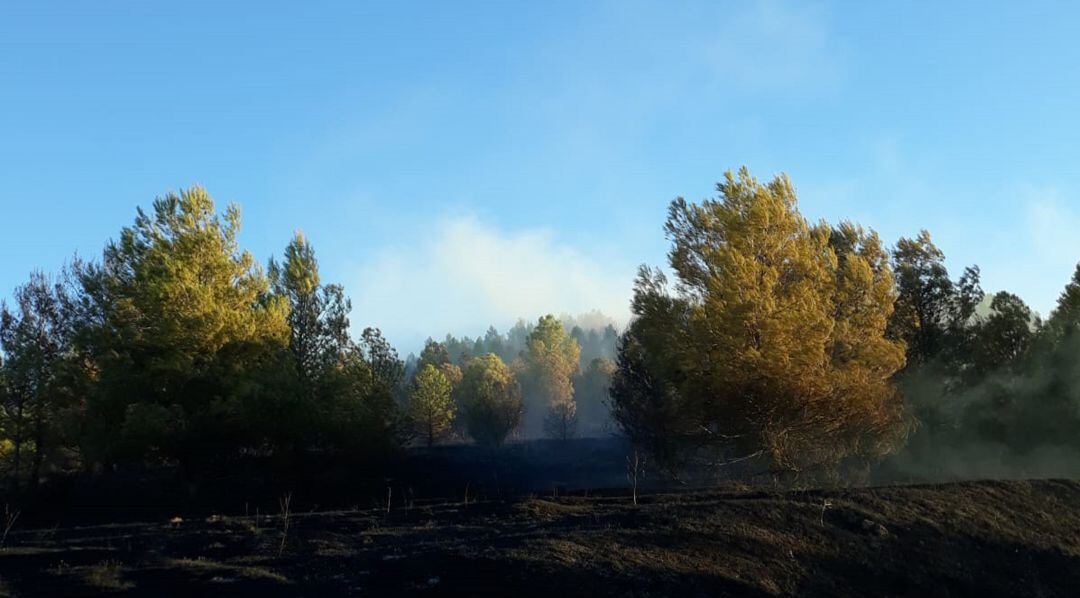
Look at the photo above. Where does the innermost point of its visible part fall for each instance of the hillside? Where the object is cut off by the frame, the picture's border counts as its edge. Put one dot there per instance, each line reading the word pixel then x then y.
pixel 977 538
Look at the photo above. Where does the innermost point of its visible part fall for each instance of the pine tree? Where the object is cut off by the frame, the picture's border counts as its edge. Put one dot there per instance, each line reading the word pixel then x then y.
pixel 1065 319
pixel 430 404
pixel 774 344
pixel 318 314
pixel 177 320
pixel 35 340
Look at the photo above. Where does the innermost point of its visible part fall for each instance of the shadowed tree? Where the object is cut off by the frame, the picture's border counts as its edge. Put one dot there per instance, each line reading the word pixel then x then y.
pixel 1065 319
pixel 35 341
pixel 591 389
pixel 1003 337
pixel 318 314
pixel 924 293
pixel 933 313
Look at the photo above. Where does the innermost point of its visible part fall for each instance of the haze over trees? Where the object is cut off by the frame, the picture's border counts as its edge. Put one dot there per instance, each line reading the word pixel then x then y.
pixel 565 394
pixel 996 391
pixel 549 366
pixel 802 349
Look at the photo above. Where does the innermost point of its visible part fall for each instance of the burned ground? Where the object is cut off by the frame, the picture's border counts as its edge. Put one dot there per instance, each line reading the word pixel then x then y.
pixel 958 539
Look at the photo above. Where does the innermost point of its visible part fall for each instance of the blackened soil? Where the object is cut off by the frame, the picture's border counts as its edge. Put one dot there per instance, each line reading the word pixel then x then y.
pixel 959 539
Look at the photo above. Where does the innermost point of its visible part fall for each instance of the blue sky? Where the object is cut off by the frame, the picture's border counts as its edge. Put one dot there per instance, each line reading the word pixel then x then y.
pixel 457 164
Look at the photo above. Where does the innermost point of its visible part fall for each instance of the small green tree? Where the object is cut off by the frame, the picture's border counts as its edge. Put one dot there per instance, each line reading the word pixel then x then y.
pixel 430 404
pixel 490 400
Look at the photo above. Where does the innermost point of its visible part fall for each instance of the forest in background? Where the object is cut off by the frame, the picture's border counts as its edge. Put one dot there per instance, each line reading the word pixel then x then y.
pixel 809 350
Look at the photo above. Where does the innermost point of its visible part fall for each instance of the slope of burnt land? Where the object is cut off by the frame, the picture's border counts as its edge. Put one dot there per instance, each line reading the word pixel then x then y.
pixel 958 539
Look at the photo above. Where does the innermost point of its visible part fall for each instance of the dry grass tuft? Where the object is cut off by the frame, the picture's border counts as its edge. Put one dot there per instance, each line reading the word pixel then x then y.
pixel 107 575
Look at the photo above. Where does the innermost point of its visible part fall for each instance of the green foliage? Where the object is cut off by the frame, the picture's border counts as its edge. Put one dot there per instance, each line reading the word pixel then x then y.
pixel 344 394
pixel 318 314
pixel 39 375
pixel 387 369
pixel 176 348
pixel 780 339
pixel 932 313
pixel 1003 338
pixel 646 405
pixel 924 295
pixel 170 318
pixel 490 400
pixel 1065 320
pixel 434 353
pixel 359 411
pixel 430 404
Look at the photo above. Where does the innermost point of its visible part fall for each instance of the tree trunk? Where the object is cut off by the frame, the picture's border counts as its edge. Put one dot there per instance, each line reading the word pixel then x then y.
pixel 39 452
pixel 16 461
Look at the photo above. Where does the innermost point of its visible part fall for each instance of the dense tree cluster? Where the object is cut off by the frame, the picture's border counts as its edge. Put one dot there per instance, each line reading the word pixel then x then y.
pixel 803 348
pixel 562 365
pixel 175 347
pixel 812 349
pixel 596 336
pixel 995 390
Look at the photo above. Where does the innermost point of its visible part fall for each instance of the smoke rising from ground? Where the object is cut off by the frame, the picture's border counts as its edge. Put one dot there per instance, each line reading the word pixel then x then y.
pixel 468 275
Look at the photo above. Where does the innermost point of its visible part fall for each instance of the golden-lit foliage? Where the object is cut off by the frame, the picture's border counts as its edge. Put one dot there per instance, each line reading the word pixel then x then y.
pixel 490 400
pixel 430 404
pixel 775 342
pixel 548 369
pixel 185 286
pixel 173 315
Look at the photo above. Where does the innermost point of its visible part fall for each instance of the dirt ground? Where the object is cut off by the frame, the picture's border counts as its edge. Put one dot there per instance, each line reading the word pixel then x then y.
pixel 959 539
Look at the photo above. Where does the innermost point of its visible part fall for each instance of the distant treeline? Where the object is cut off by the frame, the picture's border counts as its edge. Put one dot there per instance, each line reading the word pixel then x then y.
pixel 586 382
pixel 808 350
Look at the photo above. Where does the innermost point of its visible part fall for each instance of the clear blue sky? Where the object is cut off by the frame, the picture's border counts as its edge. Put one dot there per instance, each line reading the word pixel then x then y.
pixel 463 163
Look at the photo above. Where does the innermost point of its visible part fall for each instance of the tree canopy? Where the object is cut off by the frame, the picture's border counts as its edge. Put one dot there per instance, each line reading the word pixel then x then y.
pixel 491 400
pixel 430 404
pixel 805 348
pixel 774 341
